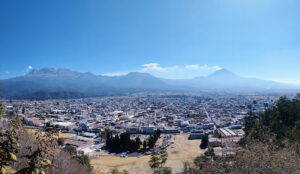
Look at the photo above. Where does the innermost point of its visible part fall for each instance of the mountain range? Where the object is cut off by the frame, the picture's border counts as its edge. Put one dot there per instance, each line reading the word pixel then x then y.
pixel 50 83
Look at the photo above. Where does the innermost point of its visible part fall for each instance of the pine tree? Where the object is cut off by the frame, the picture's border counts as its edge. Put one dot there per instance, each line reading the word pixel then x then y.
pixel 204 142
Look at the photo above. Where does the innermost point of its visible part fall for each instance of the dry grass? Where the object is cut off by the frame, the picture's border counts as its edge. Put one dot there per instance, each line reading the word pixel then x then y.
pixel 65 135
pixel 61 135
pixel 134 165
pixel 183 150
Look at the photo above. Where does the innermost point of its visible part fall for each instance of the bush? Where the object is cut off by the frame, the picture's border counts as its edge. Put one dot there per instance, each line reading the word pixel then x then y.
pixel 60 141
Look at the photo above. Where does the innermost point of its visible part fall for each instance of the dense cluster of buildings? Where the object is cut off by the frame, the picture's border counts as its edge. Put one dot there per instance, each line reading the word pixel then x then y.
pixel 143 114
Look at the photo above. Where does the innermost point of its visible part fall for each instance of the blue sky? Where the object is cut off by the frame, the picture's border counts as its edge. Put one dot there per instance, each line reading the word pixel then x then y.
pixel 167 38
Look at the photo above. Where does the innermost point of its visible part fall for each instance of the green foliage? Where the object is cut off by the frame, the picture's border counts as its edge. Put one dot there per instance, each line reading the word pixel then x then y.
pixel 23 110
pixel 144 145
pixel 210 152
pixel 123 142
pixel 154 162
pixel 48 124
pixel 104 134
pixel 137 142
pixel 8 145
pixel 3 170
pixel 152 139
pixel 116 171
pixel 1 110
pixel 60 141
pixel 163 157
pixel 38 160
pixel 256 157
pixel 32 152
pixel 280 122
pixel 71 150
pixel 166 170
pixel 157 163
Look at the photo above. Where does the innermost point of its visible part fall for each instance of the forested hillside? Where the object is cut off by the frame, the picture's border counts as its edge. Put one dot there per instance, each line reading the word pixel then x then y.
pixel 281 122
pixel 271 144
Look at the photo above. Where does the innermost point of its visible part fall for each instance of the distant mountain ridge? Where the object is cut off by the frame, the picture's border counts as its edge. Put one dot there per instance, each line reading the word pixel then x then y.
pixel 63 83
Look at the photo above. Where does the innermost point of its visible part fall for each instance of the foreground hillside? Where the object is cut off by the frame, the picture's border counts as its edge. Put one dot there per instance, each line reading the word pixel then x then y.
pixel 271 144
pixel 28 152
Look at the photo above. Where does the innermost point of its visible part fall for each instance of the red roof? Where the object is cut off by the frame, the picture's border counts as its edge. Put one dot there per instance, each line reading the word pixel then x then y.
pixel 75 143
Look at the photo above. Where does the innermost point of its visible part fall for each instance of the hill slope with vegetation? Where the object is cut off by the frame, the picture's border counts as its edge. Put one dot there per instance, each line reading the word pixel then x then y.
pixel 271 144
pixel 23 152
pixel 280 122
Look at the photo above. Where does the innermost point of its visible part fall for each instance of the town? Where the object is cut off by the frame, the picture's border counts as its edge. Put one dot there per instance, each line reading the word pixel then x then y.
pixel 140 115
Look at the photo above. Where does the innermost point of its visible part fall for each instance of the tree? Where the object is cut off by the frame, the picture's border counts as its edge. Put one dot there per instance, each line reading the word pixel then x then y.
pixel 116 171
pixel 38 159
pixel 217 134
pixel 125 141
pixel 278 123
pixel 296 131
pixel 8 142
pixel 210 152
pixel 297 96
pixel 271 144
pixel 157 163
pixel 33 152
pixel 257 157
pixel 70 149
pixel 204 142
pixel 151 142
pixel 157 133
pixel 163 157
pixel 122 143
pixel 8 148
pixel 154 162
pixel 104 134
pixel 1 111
pixel 60 141
pixel 144 145
pixel 48 124
pixel 137 142
pixel 166 170
pixel 23 110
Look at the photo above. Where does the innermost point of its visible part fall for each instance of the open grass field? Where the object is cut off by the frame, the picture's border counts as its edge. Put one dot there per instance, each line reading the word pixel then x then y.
pixel 60 135
pixel 183 150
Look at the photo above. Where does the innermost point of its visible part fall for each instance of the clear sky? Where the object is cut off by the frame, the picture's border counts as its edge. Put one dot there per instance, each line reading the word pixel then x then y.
pixel 168 38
